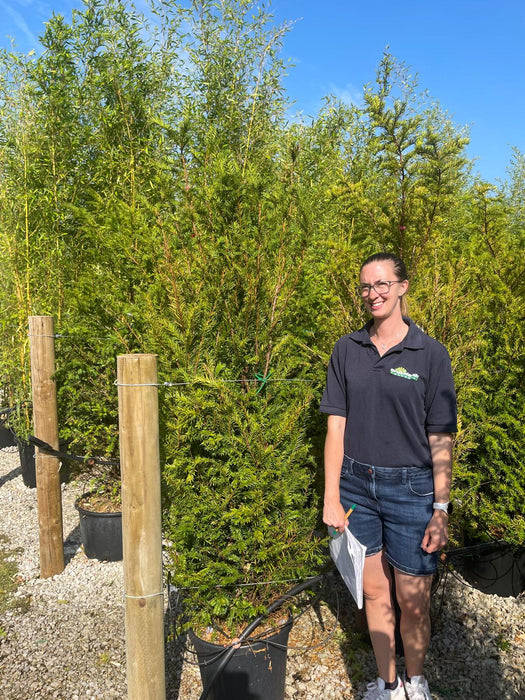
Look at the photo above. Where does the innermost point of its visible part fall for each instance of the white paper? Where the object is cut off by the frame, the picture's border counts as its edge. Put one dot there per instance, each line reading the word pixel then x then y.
pixel 349 557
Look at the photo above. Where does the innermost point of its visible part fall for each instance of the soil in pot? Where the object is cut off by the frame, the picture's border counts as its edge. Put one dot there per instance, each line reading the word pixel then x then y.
pixel 256 671
pixel 100 530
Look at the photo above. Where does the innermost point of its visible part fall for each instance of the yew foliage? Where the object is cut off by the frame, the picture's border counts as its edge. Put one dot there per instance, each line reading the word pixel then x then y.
pixel 156 197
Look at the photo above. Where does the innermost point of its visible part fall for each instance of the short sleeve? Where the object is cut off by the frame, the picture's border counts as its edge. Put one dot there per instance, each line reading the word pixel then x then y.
pixel 440 399
pixel 334 400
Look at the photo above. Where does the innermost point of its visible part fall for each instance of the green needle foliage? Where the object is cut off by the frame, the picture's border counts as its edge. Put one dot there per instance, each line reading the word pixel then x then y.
pixel 241 509
pixel 156 197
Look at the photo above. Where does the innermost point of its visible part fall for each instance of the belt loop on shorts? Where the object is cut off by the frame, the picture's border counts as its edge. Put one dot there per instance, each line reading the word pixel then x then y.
pixel 404 475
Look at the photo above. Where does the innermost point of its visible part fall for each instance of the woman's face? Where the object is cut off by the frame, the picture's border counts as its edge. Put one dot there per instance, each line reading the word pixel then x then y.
pixel 382 305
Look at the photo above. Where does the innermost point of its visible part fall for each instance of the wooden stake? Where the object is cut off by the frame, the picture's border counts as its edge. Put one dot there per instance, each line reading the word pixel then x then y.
pixel 49 496
pixel 141 525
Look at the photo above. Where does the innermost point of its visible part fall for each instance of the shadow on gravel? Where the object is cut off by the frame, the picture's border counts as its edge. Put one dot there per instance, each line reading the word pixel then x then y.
pixel 470 637
pixel 174 660
pixel 13 474
pixel 175 647
pixel 71 544
pixel 354 640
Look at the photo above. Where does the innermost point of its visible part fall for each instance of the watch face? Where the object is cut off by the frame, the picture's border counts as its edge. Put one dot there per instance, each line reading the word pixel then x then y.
pixel 450 507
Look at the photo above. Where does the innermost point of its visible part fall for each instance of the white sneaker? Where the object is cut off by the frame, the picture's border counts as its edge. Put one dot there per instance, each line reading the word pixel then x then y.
pixel 377 691
pixel 417 688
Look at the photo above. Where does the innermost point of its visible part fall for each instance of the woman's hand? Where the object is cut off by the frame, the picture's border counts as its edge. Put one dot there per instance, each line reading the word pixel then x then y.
pixel 333 512
pixel 436 533
pixel 334 515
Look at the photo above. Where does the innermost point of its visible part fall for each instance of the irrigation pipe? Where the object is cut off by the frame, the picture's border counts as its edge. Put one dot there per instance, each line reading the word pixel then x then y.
pixel 90 461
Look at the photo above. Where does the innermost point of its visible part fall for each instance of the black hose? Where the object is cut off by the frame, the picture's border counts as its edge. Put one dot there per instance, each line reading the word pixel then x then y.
pixel 90 461
pixel 253 625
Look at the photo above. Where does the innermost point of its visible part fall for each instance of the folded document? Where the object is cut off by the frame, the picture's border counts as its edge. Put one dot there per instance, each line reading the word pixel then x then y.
pixel 349 557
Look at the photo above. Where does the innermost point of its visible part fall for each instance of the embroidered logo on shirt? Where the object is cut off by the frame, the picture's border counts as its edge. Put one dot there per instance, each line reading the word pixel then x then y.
pixel 402 372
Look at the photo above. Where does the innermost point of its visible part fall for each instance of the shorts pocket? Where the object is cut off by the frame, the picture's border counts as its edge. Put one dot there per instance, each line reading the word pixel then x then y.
pixel 346 467
pixel 422 484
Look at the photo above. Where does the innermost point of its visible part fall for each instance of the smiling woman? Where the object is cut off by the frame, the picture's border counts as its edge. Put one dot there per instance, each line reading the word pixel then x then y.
pixel 389 450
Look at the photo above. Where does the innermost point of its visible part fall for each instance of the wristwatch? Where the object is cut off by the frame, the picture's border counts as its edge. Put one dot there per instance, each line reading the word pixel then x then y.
pixel 446 507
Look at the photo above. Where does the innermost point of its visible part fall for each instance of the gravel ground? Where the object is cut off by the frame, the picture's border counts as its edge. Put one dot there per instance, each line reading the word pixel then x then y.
pixel 64 637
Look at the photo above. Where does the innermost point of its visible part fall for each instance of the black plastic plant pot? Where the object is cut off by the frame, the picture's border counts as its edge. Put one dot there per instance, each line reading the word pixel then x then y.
pixel 256 671
pixel 28 465
pixel 26 452
pixel 495 568
pixel 101 534
pixel 7 437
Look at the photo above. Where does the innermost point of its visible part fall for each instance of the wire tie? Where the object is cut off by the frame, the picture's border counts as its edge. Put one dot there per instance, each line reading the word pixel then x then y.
pixel 138 597
pixel 116 383
pixel 175 383
pixel 261 378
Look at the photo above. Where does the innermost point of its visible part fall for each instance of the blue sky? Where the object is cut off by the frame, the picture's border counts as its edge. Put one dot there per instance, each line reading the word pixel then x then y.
pixel 469 54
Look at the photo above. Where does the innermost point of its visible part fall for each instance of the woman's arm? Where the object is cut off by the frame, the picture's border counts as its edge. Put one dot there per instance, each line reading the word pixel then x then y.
pixel 333 511
pixel 436 533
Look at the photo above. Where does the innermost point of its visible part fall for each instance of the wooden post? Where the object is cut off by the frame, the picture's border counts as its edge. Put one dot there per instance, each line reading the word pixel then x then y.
pixel 49 496
pixel 141 525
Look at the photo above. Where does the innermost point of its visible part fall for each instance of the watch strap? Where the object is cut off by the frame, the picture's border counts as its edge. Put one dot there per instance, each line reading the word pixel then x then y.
pixel 441 506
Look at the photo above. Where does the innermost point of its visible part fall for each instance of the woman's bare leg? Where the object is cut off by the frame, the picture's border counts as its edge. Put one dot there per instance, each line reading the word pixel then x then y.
pixel 380 614
pixel 413 596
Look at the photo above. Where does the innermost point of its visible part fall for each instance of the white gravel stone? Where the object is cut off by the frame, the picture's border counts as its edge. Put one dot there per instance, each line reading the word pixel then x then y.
pixel 65 639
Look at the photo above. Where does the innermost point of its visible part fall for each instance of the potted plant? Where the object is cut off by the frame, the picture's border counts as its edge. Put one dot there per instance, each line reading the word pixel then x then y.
pixel 489 526
pixel 240 517
pixel 99 506
pixel 17 417
pixel 87 416
pixel 240 498
pixel 100 512
pixel 489 482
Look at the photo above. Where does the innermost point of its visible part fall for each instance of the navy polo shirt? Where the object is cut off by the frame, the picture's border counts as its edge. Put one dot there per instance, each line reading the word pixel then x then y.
pixel 391 402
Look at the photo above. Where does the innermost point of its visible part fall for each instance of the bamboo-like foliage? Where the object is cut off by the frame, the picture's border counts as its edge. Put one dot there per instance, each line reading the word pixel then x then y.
pixel 154 197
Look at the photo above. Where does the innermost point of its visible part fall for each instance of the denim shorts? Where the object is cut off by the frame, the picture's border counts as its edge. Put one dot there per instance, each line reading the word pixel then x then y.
pixel 393 508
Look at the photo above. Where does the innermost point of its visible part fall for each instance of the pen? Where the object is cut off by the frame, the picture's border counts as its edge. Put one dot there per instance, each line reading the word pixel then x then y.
pixel 349 511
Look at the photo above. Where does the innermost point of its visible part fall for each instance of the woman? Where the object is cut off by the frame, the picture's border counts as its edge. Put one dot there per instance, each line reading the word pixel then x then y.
pixel 391 409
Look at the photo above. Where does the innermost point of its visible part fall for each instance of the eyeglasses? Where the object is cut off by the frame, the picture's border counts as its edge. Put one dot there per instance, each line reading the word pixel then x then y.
pixel 379 287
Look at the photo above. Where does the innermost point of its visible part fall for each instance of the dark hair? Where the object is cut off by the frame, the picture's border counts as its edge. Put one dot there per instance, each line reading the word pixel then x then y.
pixel 399 265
